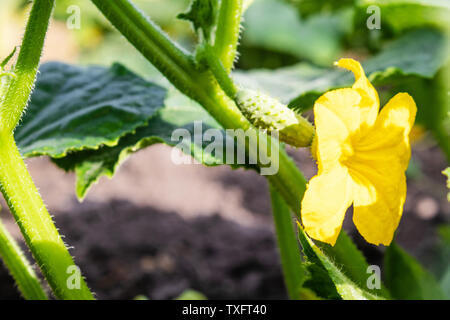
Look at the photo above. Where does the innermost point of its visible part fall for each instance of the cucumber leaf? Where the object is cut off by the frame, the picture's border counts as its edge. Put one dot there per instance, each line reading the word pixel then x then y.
pixel 190 294
pixel 419 53
pixel 75 108
pixel 443 249
pixel 322 265
pixel 276 26
pixel 178 113
pixel 351 262
pixel 407 279
pixel 89 120
pixel 311 7
pixel 400 15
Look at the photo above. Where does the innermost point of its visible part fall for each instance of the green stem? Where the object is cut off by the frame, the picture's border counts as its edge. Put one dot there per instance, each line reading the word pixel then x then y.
pixel 36 224
pixel 19 267
pixel 20 87
pixel 206 52
pixel 16 184
pixel 293 270
pixel 227 33
pixel 198 85
pixel 176 65
pixel 148 38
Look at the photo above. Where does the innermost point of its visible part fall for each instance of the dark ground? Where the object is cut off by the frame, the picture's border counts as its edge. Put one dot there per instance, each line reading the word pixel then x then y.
pixel 147 246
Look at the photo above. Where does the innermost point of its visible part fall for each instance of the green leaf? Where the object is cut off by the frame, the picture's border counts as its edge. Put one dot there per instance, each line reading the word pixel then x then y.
pixel 75 108
pixel 324 268
pixel 419 53
pixel 444 230
pixel 320 282
pixel 350 261
pixel 433 104
pixel 406 279
pixel 445 282
pixel 89 120
pixel 190 294
pixel 400 15
pixel 179 113
pixel 443 249
pixel 275 25
pixel 203 15
pixel 311 7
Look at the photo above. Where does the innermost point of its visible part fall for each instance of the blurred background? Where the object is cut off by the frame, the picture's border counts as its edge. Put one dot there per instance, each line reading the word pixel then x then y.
pixel 157 229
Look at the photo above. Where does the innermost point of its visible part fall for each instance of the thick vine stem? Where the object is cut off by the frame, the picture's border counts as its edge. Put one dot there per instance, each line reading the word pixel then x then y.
pixel 198 85
pixel 291 262
pixel 147 37
pixel 227 33
pixel 16 184
pixel 20 87
pixel 176 65
pixel 19 267
pixel 37 226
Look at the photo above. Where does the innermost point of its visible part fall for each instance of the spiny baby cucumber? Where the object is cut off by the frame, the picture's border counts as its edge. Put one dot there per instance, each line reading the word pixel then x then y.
pixel 267 113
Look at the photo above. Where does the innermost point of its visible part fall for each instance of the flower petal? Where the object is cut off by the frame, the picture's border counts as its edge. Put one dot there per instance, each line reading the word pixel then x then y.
pixel 326 199
pixel 378 171
pixel 390 133
pixel 379 196
pixel 344 103
pixel 370 102
pixel 336 117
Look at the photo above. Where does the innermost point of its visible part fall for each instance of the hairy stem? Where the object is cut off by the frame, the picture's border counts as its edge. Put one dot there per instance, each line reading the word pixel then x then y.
pixel 206 53
pixel 227 33
pixel 36 224
pixel 176 65
pixel 147 37
pixel 19 267
pixel 16 184
pixel 20 87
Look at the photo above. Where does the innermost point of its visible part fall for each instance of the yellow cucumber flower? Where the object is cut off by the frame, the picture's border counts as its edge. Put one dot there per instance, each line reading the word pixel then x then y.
pixel 362 155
